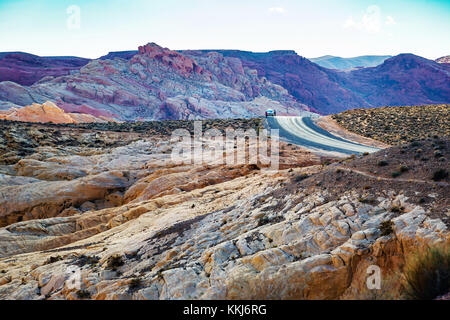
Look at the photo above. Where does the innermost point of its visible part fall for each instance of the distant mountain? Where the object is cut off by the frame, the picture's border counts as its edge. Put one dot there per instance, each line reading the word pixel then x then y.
pixel 308 82
pixel 26 69
pixel 405 79
pixel 332 62
pixel 445 59
pixel 157 83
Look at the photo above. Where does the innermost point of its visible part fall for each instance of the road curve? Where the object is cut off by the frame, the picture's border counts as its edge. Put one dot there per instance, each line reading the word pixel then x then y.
pixel 302 131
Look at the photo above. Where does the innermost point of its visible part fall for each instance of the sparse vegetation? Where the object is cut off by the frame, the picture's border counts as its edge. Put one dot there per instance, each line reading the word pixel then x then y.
pixel 83 260
pixel 53 259
pixel 301 177
pixel 427 274
pixel 115 262
pixel 83 294
pixel 263 221
pixel 396 174
pixel 440 174
pixel 135 284
pixel 368 200
pixel 386 228
pixel 397 209
pixel 398 125
pixel 382 163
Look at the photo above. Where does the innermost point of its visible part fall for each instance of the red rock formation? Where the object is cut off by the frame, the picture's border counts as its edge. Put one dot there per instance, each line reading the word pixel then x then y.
pixel 47 112
pixel 173 59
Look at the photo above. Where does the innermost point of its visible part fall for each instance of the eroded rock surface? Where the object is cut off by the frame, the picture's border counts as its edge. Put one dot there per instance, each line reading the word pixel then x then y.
pixel 111 220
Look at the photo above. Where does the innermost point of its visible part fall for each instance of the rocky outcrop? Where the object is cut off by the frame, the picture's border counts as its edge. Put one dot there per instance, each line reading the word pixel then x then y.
pixel 405 79
pixel 242 249
pixel 47 112
pixel 130 223
pixel 158 83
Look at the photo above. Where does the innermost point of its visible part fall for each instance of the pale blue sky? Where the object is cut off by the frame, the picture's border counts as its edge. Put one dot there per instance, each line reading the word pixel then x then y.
pixel 312 28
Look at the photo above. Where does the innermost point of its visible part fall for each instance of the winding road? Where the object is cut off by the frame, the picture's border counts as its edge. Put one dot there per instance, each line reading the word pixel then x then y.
pixel 303 132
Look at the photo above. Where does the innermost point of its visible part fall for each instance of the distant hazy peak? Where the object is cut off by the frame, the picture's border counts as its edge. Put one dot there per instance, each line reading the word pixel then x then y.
pixel 339 63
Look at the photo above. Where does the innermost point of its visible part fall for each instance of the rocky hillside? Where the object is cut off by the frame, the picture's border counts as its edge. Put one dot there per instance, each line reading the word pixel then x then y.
pixel 405 79
pixel 158 83
pixel 26 69
pixel 345 64
pixel 397 125
pixel 104 204
pixel 317 87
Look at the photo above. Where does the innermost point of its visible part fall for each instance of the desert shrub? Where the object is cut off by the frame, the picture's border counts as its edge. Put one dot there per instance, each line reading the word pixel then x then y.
pixel 301 177
pixel 53 259
pixel 369 200
pixel 386 228
pixel 396 174
pixel 382 163
pixel 263 221
pixel 397 209
pixel 83 260
pixel 115 262
pixel 440 174
pixel 403 168
pixel 427 274
pixel 83 294
pixel 135 284
pixel 437 154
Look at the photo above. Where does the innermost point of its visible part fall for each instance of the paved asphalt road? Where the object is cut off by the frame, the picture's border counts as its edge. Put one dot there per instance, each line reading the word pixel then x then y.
pixel 303 132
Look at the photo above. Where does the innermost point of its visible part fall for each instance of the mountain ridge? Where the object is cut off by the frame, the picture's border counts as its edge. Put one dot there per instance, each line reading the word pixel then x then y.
pixel 345 64
pixel 168 84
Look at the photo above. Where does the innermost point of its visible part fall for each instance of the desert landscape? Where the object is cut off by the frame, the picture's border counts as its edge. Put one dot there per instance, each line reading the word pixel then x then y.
pixel 107 200
pixel 144 165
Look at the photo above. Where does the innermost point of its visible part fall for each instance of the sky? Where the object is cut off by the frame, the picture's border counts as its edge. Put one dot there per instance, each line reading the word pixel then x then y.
pixel 312 28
